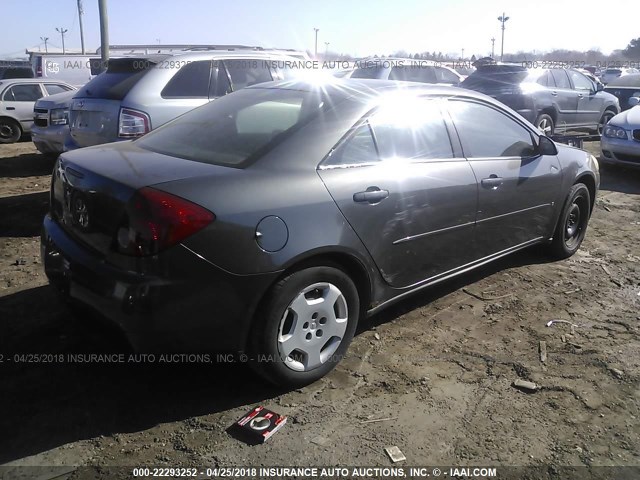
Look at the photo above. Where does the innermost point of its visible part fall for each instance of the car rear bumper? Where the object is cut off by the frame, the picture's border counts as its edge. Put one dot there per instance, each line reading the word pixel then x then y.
pixel 49 139
pixel 620 152
pixel 193 306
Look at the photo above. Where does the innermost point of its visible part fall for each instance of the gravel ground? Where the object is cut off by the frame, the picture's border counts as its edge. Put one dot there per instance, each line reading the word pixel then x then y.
pixel 436 370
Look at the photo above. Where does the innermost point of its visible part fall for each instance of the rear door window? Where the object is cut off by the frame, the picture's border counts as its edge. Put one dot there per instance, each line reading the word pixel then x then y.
pixel 52 88
pixel 580 82
pixel 410 129
pixel 191 81
pixel 411 73
pixel 546 80
pixel 244 73
pixel 560 78
pixel 358 149
pixel 23 93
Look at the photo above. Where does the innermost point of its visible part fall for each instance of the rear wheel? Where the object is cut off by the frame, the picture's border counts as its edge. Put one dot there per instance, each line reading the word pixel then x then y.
pixel 572 225
pixel 606 116
pixel 10 131
pixel 305 327
pixel 545 123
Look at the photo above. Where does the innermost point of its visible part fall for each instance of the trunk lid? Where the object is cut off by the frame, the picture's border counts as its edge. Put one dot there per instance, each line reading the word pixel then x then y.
pixel 94 121
pixel 91 187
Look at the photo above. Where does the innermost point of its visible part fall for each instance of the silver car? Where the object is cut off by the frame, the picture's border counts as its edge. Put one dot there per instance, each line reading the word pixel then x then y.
pixel 17 99
pixel 620 143
pixel 136 95
pixel 51 122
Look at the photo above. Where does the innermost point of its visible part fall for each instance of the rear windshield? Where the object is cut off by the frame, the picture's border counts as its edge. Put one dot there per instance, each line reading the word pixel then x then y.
pixel 495 74
pixel 120 77
pixel 613 71
pixel 235 129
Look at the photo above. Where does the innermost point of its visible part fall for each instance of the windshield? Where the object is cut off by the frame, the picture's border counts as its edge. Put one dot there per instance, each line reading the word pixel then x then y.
pixel 236 128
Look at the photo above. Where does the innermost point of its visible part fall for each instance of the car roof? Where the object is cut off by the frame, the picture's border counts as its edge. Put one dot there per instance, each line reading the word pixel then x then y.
pixel 372 62
pixel 632 80
pixel 338 89
pixel 31 80
pixel 222 54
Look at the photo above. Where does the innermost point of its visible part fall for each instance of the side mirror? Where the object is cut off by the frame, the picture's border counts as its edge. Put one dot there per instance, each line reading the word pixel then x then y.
pixel 633 101
pixel 599 87
pixel 546 146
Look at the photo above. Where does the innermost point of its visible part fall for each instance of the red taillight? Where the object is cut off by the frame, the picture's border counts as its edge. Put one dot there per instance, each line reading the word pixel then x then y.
pixel 157 220
pixel 133 123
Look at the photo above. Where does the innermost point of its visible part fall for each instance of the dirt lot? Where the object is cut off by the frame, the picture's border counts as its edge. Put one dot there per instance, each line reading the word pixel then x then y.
pixel 440 366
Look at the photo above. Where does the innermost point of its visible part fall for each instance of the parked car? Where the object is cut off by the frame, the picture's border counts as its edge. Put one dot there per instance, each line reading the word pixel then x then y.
pixel 421 71
pixel 136 95
pixel 553 100
pixel 611 74
pixel 17 99
pixel 7 73
pixel 51 122
pixel 188 239
pixel 620 143
pixel 624 88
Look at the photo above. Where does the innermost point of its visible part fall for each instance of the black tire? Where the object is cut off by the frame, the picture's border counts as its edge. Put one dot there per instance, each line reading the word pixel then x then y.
pixel 572 224
pixel 606 116
pixel 10 131
pixel 545 123
pixel 265 346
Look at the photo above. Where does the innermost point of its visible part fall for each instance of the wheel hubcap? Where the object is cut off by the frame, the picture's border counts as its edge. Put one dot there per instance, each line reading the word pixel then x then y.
pixel 6 131
pixel 545 126
pixel 573 224
pixel 312 327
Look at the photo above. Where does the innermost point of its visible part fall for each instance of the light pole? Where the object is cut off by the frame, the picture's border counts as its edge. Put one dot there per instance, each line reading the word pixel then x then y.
pixel 493 44
pixel 316 49
pixel 80 13
pixel 502 20
pixel 45 40
pixel 462 58
pixel 62 31
pixel 326 49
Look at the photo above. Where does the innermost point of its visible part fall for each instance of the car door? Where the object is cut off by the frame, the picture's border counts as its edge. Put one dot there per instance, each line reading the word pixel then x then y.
pixel 517 188
pixel 18 101
pixel 410 201
pixel 565 98
pixel 590 104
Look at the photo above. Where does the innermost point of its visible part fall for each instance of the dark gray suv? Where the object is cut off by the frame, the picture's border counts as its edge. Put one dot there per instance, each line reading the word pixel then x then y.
pixel 555 100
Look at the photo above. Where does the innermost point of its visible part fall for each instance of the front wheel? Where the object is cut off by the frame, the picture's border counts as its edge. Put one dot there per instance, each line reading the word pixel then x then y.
pixel 305 326
pixel 606 116
pixel 10 131
pixel 545 123
pixel 572 225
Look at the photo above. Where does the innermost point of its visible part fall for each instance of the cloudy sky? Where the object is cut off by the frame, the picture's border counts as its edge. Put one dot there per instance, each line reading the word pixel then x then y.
pixel 356 27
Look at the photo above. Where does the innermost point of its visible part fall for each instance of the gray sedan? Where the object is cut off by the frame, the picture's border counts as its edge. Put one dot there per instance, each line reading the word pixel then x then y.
pixel 271 221
pixel 620 143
